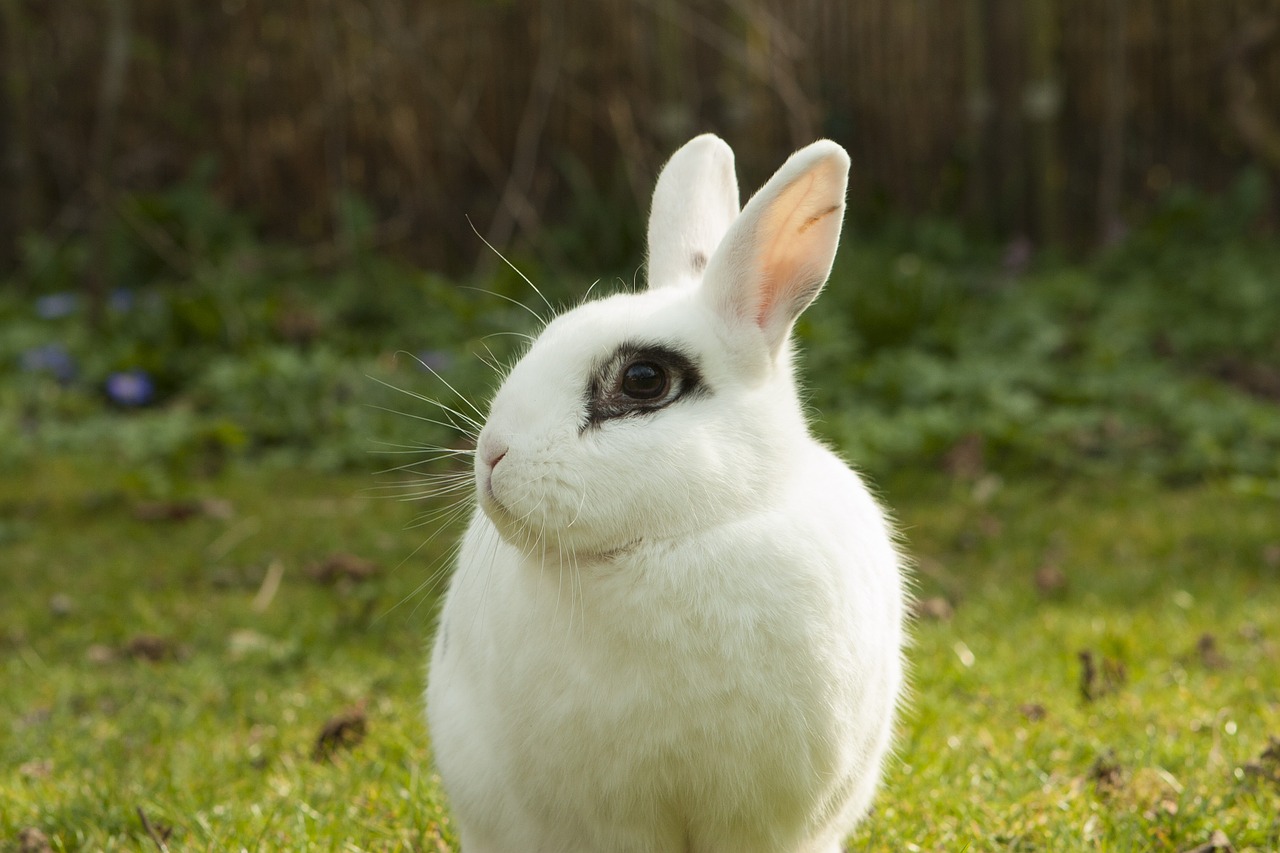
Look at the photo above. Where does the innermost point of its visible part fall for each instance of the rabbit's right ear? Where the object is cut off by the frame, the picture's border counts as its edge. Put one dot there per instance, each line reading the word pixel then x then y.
pixel 779 252
pixel 694 203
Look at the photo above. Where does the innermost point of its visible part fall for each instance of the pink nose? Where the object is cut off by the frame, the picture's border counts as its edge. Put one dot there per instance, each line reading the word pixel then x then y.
pixel 492 450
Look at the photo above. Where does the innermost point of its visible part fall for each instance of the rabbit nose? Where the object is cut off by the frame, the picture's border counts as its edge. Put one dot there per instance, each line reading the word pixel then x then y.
pixel 492 450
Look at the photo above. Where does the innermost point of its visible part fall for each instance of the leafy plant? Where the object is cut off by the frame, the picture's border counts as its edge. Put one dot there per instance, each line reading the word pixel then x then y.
pixel 1159 357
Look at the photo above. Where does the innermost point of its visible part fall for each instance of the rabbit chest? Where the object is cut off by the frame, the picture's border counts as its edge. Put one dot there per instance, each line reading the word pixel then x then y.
pixel 739 683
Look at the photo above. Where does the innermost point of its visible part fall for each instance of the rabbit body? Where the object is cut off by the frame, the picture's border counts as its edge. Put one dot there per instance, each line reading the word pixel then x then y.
pixel 676 620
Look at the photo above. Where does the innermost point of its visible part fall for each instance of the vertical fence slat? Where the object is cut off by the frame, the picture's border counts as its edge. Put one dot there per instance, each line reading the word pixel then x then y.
pixel 424 109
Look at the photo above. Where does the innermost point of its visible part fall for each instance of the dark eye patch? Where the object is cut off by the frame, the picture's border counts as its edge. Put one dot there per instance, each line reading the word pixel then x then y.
pixel 639 379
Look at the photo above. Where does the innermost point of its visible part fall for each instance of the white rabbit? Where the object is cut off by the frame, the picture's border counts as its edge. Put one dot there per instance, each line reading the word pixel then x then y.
pixel 676 622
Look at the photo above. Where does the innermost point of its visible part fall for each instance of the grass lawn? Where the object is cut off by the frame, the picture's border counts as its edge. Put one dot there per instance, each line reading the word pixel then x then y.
pixel 157 684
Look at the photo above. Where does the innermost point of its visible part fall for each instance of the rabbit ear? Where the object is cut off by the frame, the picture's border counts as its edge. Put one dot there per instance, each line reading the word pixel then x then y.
pixel 779 251
pixel 694 203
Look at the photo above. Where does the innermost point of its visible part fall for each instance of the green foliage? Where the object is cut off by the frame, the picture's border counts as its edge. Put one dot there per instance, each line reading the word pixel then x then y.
pixel 1155 359
pixel 145 668
pixel 139 675
pixel 246 348
pixel 1158 357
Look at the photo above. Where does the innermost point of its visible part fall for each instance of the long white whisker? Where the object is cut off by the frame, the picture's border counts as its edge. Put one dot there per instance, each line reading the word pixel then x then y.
pixel 403 449
pixel 453 425
pixel 412 466
pixel 513 266
pixel 491 362
pixel 455 475
pixel 582 589
pixel 446 514
pixel 439 572
pixel 581 504
pixel 526 337
pixel 542 321
pixel 470 420
pixel 455 491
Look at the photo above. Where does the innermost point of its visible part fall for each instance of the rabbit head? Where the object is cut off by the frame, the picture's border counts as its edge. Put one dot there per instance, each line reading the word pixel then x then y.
pixel 650 415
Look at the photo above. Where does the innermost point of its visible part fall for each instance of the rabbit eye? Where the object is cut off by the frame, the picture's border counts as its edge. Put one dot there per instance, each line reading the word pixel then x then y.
pixel 644 380
pixel 638 380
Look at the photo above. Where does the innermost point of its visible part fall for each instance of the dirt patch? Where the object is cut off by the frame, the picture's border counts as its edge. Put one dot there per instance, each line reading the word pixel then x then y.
pixel 1100 675
pixel 1033 712
pixel 1208 653
pixel 934 609
pixel 32 840
pixel 1217 843
pixel 1106 774
pixel 342 732
pixel 181 510
pixel 1266 767
pixel 151 648
pixel 340 568
pixel 1051 581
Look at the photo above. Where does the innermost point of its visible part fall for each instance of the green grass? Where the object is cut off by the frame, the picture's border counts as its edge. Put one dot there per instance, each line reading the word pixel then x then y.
pixel 998 750
pixel 1130 401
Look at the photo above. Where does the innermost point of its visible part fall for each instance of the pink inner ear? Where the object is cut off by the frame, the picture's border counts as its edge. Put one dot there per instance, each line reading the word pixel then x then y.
pixel 801 229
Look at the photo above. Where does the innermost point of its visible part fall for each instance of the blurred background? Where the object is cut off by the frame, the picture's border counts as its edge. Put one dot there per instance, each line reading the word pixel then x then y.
pixel 243 258
pixel 219 219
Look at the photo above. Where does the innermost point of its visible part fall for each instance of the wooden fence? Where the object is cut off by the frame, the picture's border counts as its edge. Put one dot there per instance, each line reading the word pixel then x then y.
pixel 1050 119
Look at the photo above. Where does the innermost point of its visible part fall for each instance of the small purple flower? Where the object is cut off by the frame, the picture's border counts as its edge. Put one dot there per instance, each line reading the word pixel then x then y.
pixel 130 388
pixel 57 305
pixel 434 360
pixel 121 300
pixel 50 358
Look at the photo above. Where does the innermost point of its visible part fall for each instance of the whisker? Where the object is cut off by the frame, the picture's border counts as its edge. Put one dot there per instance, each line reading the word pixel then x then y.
pixel 447 513
pixel 420 448
pixel 419 492
pixel 449 385
pixel 542 321
pixel 582 593
pixel 422 476
pixel 527 337
pixel 513 266
pixel 449 425
pixel 491 362
pixel 445 518
pixel 412 466
pixel 463 489
pixel 581 504
pixel 398 475
pixel 438 574
pixel 488 576
pixel 425 399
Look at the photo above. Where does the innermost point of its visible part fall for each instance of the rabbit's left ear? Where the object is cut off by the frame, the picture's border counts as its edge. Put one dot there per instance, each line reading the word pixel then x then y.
pixel 694 203
pixel 778 253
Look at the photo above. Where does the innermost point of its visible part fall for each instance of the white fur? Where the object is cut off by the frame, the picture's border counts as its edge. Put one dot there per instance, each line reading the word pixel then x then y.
pixel 680 631
pixel 694 203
